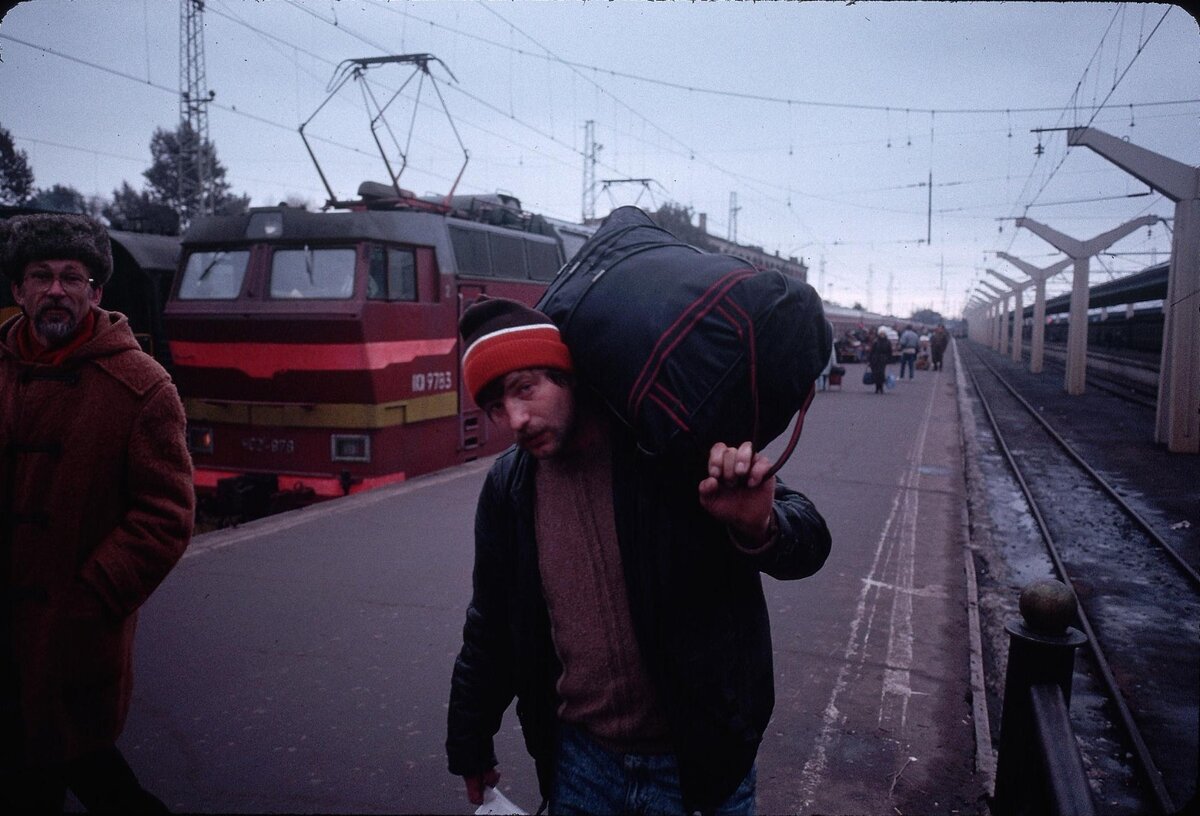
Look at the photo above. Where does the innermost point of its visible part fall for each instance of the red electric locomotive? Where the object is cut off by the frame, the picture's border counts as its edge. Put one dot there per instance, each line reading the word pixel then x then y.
pixel 317 354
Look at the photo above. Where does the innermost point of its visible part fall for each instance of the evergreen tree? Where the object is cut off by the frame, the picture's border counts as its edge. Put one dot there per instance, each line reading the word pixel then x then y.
pixel 140 212
pixel 62 198
pixel 171 177
pixel 927 316
pixel 16 177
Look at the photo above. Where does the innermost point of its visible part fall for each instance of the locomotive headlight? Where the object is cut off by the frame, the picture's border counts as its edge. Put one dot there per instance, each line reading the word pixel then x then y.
pixel 199 439
pixel 350 448
pixel 265 225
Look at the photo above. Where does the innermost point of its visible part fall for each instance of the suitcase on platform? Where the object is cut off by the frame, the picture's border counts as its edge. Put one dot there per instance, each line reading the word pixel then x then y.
pixel 688 347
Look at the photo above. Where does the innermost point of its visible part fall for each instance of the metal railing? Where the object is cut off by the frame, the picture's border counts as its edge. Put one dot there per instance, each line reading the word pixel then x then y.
pixel 1039 768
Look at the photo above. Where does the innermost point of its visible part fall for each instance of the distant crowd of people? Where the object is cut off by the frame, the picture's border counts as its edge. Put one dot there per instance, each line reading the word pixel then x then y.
pixel 925 350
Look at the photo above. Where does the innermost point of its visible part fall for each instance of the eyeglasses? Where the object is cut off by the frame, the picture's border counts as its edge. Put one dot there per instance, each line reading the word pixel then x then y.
pixel 42 281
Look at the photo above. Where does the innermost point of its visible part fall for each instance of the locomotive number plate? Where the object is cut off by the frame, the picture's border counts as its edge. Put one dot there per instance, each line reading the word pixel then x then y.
pixel 432 381
pixel 266 444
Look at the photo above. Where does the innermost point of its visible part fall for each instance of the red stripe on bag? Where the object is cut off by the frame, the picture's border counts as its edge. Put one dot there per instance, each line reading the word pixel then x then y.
pixel 699 309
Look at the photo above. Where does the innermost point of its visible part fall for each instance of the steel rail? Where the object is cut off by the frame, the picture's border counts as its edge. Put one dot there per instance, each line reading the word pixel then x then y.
pixel 1115 386
pixel 1186 568
pixel 1149 768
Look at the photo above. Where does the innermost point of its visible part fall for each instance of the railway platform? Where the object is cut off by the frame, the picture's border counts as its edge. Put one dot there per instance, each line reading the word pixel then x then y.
pixel 301 663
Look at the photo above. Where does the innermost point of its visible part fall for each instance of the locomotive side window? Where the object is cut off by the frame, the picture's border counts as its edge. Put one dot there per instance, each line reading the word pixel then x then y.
pixel 508 256
pixel 471 251
pixel 214 275
pixel 543 261
pixel 393 274
pixel 326 274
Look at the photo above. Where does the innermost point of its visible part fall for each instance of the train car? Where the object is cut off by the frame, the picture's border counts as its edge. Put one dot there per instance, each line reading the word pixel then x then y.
pixel 1111 323
pixel 317 353
pixel 1140 332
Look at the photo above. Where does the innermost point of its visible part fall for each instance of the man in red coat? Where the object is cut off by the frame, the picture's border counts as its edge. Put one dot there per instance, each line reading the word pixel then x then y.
pixel 96 507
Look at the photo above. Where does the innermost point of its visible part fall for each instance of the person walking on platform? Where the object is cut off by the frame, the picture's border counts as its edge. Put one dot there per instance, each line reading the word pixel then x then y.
pixel 617 600
pixel 937 345
pixel 96 507
pixel 823 377
pixel 878 358
pixel 909 341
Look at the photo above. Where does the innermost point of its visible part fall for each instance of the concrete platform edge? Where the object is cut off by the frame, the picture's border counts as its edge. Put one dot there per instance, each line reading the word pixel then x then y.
pixel 975 535
pixel 260 528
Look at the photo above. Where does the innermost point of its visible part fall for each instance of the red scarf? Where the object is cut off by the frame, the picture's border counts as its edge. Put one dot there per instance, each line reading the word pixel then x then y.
pixel 33 351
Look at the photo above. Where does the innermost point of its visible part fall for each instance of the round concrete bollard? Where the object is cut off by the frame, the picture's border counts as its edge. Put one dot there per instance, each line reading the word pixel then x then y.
pixel 1048 607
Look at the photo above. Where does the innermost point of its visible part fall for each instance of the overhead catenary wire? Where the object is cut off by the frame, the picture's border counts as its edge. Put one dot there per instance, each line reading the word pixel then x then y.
pixel 640 140
pixel 1142 43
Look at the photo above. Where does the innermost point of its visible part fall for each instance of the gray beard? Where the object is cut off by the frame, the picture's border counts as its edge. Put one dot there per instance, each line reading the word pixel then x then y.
pixel 56 332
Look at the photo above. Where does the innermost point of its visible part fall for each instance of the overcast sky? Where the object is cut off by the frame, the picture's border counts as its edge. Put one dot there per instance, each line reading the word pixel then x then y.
pixel 825 120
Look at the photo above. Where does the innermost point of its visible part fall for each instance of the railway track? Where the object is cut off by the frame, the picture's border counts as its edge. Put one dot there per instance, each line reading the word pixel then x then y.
pixel 1139 599
pixel 1110 378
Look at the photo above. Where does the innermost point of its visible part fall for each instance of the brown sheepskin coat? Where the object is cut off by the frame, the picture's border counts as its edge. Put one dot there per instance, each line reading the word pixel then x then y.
pixel 96 507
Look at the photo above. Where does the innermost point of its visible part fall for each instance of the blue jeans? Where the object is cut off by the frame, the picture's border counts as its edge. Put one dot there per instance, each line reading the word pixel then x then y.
pixel 910 361
pixel 591 779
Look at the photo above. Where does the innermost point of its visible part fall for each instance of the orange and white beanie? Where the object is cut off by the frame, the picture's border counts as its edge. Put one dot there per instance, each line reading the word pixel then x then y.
pixel 502 336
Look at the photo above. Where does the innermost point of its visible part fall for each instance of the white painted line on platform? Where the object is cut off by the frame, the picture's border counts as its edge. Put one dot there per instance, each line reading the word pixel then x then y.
pixel 935 591
pixel 897 680
pixel 902 517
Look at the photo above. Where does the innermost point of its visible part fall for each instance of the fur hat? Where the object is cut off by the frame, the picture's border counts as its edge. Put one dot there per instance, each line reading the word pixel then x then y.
pixel 502 336
pixel 55 236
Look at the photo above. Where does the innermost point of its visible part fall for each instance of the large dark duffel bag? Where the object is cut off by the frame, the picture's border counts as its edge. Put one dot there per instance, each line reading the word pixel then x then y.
pixel 688 347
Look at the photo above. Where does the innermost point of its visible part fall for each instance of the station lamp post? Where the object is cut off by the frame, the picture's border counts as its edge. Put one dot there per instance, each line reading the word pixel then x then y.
pixel 1037 338
pixel 1178 418
pixel 1081 253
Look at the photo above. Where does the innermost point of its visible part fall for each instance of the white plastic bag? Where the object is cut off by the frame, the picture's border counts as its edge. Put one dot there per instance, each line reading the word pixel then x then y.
pixel 496 802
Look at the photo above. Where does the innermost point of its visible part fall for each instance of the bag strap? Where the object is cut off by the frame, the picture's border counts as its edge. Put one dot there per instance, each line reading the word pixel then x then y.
pixel 791 445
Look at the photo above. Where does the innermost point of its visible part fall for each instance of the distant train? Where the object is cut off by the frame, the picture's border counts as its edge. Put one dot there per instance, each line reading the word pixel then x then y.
pixel 317 354
pixel 1125 314
pixel 1142 331
pixel 1112 325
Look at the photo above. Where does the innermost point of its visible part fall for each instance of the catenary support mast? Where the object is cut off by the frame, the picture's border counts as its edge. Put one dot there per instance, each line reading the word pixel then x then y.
pixel 1037 335
pixel 1178 418
pixel 1081 253
pixel 194 176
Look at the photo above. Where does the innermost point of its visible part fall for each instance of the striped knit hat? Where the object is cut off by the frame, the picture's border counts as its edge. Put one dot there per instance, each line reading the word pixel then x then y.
pixel 502 336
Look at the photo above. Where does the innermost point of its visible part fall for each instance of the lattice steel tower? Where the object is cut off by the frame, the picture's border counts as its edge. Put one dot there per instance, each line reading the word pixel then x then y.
pixel 590 149
pixel 194 176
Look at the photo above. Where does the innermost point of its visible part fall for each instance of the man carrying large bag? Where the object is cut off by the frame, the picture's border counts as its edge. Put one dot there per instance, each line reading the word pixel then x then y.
pixel 617 592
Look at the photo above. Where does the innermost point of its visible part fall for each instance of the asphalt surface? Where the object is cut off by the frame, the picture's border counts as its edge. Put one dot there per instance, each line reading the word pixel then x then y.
pixel 301 663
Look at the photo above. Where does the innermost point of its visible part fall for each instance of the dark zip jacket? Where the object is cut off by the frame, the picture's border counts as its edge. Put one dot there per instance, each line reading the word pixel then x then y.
pixel 697 607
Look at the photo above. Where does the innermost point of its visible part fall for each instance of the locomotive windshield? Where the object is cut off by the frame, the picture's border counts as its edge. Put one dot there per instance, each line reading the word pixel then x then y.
pixel 327 274
pixel 214 275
